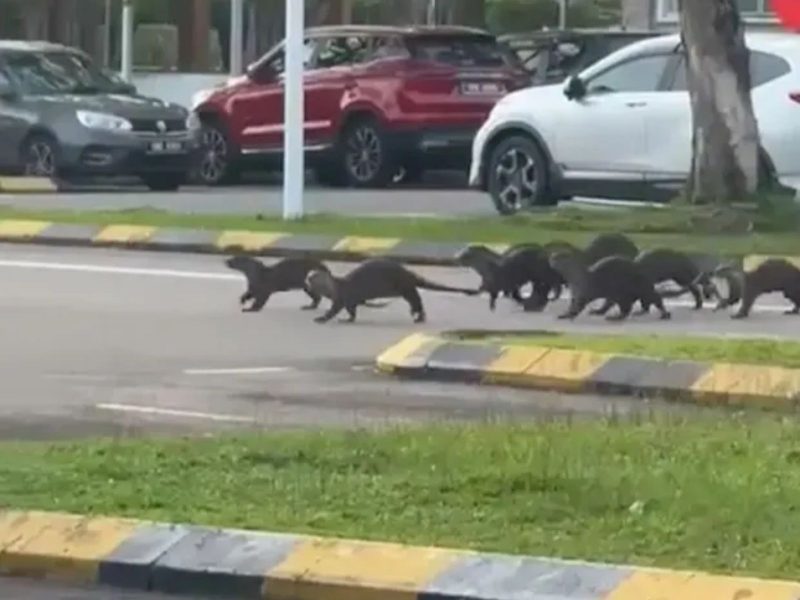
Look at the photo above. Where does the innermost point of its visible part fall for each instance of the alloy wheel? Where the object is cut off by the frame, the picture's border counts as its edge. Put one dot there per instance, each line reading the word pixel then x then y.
pixel 40 160
pixel 363 154
pixel 517 175
pixel 215 155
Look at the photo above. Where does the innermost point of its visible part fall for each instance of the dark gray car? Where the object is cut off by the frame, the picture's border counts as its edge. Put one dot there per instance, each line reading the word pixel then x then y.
pixel 60 115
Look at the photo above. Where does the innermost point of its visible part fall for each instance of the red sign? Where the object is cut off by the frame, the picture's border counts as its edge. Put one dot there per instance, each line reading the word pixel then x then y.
pixel 788 12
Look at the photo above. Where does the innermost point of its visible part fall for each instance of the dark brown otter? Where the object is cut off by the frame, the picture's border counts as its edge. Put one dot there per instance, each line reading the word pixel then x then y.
pixel 615 279
pixel 373 279
pixel 772 275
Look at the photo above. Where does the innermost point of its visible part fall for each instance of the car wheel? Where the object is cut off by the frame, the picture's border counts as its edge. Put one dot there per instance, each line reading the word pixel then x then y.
pixel 517 176
pixel 164 182
pixel 215 166
pixel 39 156
pixel 366 155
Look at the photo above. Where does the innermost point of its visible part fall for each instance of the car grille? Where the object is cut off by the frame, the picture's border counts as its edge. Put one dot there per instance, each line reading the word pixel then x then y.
pixel 151 125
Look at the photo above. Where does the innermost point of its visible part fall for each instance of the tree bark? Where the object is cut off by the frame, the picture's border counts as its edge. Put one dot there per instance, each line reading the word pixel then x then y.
pixel 725 140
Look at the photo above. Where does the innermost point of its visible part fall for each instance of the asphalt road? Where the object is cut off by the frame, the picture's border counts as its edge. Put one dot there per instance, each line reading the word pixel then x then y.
pixel 17 589
pixel 120 342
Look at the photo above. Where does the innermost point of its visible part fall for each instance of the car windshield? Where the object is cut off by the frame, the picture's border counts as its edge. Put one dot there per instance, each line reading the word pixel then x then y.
pixel 56 73
pixel 462 52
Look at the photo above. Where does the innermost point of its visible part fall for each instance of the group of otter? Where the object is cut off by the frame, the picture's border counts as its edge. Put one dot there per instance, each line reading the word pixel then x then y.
pixel 611 268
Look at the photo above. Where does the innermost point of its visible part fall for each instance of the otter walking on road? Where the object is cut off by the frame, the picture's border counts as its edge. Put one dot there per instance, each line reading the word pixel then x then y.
pixel 773 275
pixel 373 279
pixel 616 279
pixel 285 275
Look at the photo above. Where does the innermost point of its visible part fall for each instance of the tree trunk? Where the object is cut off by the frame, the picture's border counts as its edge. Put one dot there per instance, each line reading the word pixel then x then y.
pixel 725 138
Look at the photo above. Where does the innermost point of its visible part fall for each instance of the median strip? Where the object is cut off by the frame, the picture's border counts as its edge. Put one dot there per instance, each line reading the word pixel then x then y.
pixel 734 372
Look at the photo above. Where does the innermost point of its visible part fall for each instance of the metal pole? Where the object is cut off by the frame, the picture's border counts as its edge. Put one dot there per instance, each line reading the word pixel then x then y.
pixel 293 111
pixel 237 33
pixel 562 14
pixel 107 36
pixel 432 12
pixel 127 40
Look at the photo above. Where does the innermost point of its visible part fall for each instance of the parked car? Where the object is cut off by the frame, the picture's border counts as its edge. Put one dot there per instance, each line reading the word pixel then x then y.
pixel 377 99
pixel 62 116
pixel 552 55
pixel 623 127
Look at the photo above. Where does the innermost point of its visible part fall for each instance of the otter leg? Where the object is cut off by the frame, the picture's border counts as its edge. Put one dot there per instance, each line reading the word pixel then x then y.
pixel 335 309
pixel 414 300
pixel 625 307
pixel 654 299
pixel 315 299
pixel 604 308
pixel 248 295
pixel 747 305
pixel 698 296
pixel 493 300
pixel 259 303
pixel 351 313
pixel 576 306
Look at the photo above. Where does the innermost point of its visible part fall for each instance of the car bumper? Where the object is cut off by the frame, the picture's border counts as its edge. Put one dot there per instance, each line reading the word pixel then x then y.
pixel 477 179
pixel 122 155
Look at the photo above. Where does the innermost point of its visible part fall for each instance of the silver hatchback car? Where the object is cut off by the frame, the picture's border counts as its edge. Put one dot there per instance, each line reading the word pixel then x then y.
pixel 62 116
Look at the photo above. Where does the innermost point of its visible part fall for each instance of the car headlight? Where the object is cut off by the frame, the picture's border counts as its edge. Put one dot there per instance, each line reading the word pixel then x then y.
pixel 193 122
pixel 95 120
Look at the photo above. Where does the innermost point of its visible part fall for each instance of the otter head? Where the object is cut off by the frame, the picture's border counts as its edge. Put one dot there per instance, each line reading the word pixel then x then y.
pixel 322 283
pixel 476 253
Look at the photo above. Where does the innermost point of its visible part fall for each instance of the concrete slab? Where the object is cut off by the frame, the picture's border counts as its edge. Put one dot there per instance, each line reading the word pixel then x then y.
pixel 670 378
pixel 228 564
pixel 519 578
pixel 69 232
pixel 409 356
pixel 462 362
pixel 128 567
pixel 181 239
pixel 622 374
pixel 309 243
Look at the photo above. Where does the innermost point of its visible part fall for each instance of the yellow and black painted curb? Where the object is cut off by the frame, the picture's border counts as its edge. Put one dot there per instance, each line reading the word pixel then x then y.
pixel 257 243
pixel 423 356
pixel 233 564
pixel 14 184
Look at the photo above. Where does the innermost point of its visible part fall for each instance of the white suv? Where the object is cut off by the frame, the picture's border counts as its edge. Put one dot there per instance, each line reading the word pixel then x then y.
pixel 623 127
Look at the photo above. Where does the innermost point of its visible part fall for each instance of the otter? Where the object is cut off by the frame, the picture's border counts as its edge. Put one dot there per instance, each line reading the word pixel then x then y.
pixel 372 279
pixel 616 279
pixel 665 264
pixel 285 275
pixel 773 275
pixel 609 244
pixel 508 272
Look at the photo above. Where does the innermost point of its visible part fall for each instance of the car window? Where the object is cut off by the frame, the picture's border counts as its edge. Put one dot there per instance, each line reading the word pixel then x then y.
pixel 642 74
pixel 388 47
pixel 277 64
pixel 55 73
pixel 764 67
pixel 461 51
pixel 342 51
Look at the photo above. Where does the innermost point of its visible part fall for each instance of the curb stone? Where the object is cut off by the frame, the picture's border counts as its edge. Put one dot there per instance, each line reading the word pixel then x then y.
pixel 199 561
pixel 259 243
pixel 28 185
pixel 431 357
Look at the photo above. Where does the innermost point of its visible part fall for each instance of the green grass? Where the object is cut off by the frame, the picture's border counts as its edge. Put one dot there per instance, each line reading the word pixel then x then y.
pixel 717 494
pixel 649 227
pixel 756 351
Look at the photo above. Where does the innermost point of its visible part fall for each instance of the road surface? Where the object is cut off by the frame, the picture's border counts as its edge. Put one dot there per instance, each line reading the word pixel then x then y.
pixel 22 589
pixel 118 342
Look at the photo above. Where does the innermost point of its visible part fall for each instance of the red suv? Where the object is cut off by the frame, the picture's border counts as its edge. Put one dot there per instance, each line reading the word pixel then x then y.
pixel 378 99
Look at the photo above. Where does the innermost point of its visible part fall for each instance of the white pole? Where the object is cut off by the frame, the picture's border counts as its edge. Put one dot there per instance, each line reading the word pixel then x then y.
pixel 293 111
pixel 107 35
pixel 127 40
pixel 237 33
pixel 562 14
pixel 432 12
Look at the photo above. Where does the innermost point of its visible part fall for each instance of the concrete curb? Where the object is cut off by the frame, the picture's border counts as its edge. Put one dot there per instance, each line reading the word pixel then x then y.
pixel 28 185
pixel 430 357
pixel 257 243
pixel 232 564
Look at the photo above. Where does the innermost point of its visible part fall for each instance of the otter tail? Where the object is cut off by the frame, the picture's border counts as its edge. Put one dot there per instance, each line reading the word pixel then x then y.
pixel 438 287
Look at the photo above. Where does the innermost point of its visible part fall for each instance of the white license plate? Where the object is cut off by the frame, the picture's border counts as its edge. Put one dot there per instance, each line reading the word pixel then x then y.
pixel 482 89
pixel 165 147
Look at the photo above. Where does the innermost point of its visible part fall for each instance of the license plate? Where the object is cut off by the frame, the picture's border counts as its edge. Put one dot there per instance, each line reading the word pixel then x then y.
pixel 165 147
pixel 482 89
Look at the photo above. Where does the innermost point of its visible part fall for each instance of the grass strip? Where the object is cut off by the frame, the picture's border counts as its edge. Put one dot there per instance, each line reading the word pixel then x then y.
pixel 717 494
pixel 648 227
pixel 729 349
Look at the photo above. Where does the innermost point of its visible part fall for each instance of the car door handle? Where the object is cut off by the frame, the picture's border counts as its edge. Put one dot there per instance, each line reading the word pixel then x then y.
pixel 636 104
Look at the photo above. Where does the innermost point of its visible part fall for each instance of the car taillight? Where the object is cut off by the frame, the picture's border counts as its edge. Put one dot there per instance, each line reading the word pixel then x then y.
pixel 795 96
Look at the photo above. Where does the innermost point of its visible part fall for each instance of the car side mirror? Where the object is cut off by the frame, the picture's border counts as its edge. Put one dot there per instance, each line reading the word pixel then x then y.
pixel 574 88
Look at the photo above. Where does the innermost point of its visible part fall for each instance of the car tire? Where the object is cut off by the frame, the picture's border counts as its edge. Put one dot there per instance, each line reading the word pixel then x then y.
pixel 164 182
pixel 217 164
pixel 517 176
pixel 40 156
pixel 366 155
